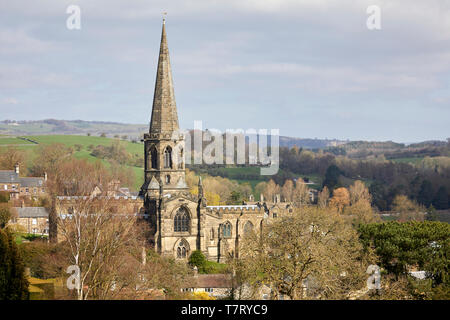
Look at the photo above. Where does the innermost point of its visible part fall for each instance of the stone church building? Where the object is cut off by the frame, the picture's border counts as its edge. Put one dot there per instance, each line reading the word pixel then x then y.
pixel 182 222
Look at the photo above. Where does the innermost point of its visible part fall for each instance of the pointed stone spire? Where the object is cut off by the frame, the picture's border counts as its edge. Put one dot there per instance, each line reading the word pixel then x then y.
pixel 164 111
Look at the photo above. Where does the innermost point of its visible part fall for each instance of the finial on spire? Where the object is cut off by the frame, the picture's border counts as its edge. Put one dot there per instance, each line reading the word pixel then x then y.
pixel 164 17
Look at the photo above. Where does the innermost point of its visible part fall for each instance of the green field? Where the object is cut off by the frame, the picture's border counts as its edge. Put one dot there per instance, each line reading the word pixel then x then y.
pixel 252 175
pixel 411 160
pixel 84 153
pixel 7 140
pixel 242 175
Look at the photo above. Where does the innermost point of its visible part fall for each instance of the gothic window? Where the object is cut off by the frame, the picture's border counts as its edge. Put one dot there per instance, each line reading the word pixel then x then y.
pixel 167 179
pixel 168 158
pixel 181 221
pixel 182 249
pixel 211 234
pixel 248 227
pixel 226 230
pixel 154 157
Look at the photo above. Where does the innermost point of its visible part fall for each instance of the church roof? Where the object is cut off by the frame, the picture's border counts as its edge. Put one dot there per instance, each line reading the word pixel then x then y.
pixel 164 111
pixel 235 207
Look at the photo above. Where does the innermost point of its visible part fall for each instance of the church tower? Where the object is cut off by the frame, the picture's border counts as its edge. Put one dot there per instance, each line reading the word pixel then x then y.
pixel 164 143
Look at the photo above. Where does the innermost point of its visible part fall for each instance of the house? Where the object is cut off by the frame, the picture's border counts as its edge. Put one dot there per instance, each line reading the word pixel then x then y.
pixel 16 186
pixel 218 286
pixel 32 219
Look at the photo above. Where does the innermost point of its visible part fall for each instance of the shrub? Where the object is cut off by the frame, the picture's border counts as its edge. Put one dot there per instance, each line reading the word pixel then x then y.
pixel 197 259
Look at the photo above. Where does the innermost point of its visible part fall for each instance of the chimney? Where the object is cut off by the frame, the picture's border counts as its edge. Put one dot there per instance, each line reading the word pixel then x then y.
pixel 16 168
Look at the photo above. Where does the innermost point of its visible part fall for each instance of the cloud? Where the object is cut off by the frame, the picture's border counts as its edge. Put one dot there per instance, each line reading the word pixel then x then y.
pixel 243 56
pixel 18 41
pixel 10 101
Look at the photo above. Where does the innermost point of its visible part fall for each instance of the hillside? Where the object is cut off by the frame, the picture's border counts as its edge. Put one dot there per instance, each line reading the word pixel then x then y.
pixel 82 146
pixel 111 129
pixel 71 127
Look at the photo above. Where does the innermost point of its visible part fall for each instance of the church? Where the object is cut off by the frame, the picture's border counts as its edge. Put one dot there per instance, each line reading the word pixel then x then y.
pixel 182 222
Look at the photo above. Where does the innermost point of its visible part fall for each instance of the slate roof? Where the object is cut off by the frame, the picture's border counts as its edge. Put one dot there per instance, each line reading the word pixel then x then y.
pixel 10 176
pixel 32 212
pixel 211 281
pixel 31 182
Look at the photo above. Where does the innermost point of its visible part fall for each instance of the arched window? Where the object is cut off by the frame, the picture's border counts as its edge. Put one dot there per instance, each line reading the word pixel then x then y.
pixel 181 221
pixel 226 230
pixel 167 179
pixel 248 227
pixel 211 234
pixel 182 249
pixel 154 157
pixel 168 158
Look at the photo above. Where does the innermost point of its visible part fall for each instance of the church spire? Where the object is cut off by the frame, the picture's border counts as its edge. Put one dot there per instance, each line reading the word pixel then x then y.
pixel 164 111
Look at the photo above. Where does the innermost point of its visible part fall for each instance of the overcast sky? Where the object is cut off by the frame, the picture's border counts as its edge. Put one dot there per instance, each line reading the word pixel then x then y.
pixel 308 67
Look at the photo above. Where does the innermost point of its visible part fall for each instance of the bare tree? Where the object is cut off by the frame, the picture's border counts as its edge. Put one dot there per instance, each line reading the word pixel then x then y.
pixel 340 199
pixel 358 191
pixel 407 209
pixel 323 197
pixel 288 190
pixel 10 156
pixel 99 241
pixel 270 190
pixel 311 253
pixel 301 193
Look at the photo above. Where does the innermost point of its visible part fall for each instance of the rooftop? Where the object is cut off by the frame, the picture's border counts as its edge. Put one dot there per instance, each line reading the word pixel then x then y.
pixel 236 207
pixel 212 281
pixel 32 212
pixel 10 176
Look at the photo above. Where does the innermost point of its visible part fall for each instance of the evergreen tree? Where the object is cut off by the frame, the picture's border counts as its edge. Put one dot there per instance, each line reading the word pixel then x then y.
pixel 198 259
pixel 332 177
pixel 5 214
pixel 13 281
pixel 425 196
pixel 441 200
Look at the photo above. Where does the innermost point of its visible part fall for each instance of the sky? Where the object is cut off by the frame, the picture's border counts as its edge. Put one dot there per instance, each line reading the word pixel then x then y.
pixel 310 68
